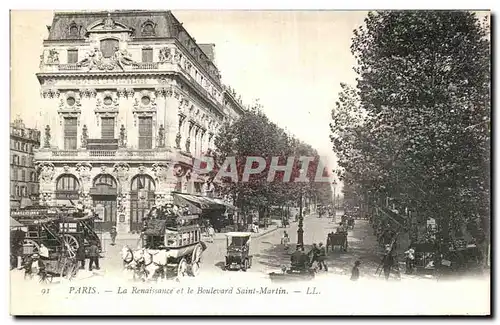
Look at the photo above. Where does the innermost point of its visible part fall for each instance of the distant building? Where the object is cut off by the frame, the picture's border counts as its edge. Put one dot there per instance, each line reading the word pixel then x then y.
pixel 23 176
pixel 130 99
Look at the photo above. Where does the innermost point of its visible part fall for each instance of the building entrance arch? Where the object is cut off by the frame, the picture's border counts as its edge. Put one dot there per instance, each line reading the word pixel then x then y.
pixel 104 192
pixel 142 199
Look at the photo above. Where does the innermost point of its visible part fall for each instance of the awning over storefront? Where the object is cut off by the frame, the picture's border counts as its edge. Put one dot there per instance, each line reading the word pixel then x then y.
pixel 15 224
pixel 197 204
pixel 227 205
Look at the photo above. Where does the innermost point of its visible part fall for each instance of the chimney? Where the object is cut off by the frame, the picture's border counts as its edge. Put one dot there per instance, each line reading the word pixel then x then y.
pixel 209 50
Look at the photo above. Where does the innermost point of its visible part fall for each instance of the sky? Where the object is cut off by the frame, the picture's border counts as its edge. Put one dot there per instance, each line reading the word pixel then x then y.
pixel 292 61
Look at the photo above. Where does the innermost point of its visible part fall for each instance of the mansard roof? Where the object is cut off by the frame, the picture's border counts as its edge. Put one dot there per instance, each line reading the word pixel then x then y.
pixel 166 25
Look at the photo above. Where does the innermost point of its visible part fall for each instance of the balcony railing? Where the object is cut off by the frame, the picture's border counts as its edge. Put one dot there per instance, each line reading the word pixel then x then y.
pixel 145 65
pixel 65 153
pixel 102 153
pixel 68 67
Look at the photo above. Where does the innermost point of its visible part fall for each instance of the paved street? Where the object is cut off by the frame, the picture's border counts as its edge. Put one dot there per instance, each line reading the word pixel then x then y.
pixel 269 255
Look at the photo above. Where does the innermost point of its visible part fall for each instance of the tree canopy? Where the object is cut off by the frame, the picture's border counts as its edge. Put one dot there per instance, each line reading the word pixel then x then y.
pixel 416 125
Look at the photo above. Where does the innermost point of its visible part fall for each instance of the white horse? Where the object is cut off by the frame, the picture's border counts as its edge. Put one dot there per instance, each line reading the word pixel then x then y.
pixel 150 264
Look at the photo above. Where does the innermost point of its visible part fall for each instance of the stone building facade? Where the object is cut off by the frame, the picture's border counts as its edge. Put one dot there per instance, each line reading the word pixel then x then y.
pixel 23 179
pixel 129 99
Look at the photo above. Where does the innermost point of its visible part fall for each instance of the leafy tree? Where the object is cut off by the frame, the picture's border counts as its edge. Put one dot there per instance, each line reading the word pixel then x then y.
pixel 416 126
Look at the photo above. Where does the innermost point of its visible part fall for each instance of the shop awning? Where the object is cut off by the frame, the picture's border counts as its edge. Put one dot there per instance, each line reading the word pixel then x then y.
pixel 15 224
pixel 199 202
pixel 227 205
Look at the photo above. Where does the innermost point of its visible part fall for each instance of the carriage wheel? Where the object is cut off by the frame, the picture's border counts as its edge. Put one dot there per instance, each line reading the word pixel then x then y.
pixel 196 256
pixel 71 244
pixel 182 269
pixel 195 268
pixel 246 265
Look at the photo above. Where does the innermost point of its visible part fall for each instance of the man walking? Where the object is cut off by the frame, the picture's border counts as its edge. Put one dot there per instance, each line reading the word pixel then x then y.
pixel 322 257
pixel 94 256
pixel 355 271
pixel 113 234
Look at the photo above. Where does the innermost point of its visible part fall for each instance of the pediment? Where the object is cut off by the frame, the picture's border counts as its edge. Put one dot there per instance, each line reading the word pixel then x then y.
pixel 108 25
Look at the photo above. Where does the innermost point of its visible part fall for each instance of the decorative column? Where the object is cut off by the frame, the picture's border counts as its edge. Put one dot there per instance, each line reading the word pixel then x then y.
pixel 83 169
pixel 47 186
pixel 121 171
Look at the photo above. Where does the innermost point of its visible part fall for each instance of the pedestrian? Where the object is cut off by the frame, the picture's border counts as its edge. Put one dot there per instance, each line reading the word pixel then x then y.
pixel 355 271
pixel 80 256
pixel 113 234
pixel 94 256
pixel 322 257
pixel 314 253
pixel 410 260
pixel 388 261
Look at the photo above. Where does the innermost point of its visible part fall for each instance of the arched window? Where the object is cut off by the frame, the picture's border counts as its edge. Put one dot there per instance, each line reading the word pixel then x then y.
pixel 142 199
pixel 148 29
pixel 73 30
pixel 67 187
pixel 108 47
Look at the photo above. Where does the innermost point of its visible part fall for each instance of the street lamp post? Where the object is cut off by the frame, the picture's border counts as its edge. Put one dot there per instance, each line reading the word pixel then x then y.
pixel 300 230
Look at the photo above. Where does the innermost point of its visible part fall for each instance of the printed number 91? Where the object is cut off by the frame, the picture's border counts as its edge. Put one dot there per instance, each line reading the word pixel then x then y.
pixel 45 291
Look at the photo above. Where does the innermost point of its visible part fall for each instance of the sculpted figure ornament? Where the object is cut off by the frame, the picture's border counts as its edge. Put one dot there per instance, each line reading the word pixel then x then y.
pixel 109 23
pixel 121 171
pixel 83 169
pixel 92 59
pixel 188 144
pixel 165 55
pixel 47 171
pixel 122 58
pixel 85 136
pixel 178 138
pixel 161 136
pixel 47 137
pixel 53 57
pixel 161 171
pixel 123 137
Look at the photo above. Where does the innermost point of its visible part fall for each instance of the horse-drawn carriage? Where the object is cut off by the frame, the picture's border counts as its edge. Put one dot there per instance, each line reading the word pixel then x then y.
pixel 56 233
pixel 337 239
pixel 171 245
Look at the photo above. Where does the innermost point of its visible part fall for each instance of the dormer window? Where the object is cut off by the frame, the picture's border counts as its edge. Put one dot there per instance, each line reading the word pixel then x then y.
pixel 73 30
pixel 148 28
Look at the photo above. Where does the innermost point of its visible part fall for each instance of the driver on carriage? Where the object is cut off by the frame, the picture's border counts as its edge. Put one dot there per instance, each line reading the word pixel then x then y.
pixel 341 228
pixel 36 266
pixel 299 259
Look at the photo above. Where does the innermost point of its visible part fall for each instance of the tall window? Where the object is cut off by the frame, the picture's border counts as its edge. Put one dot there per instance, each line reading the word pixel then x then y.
pixel 145 133
pixel 72 56
pixel 107 128
pixel 70 133
pixel 23 161
pixel 23 175
pixel 14 159
pixel 147 55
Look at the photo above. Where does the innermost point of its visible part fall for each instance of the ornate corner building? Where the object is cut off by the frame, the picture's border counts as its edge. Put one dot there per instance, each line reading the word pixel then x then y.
pixel 129 99
pixel 23 179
